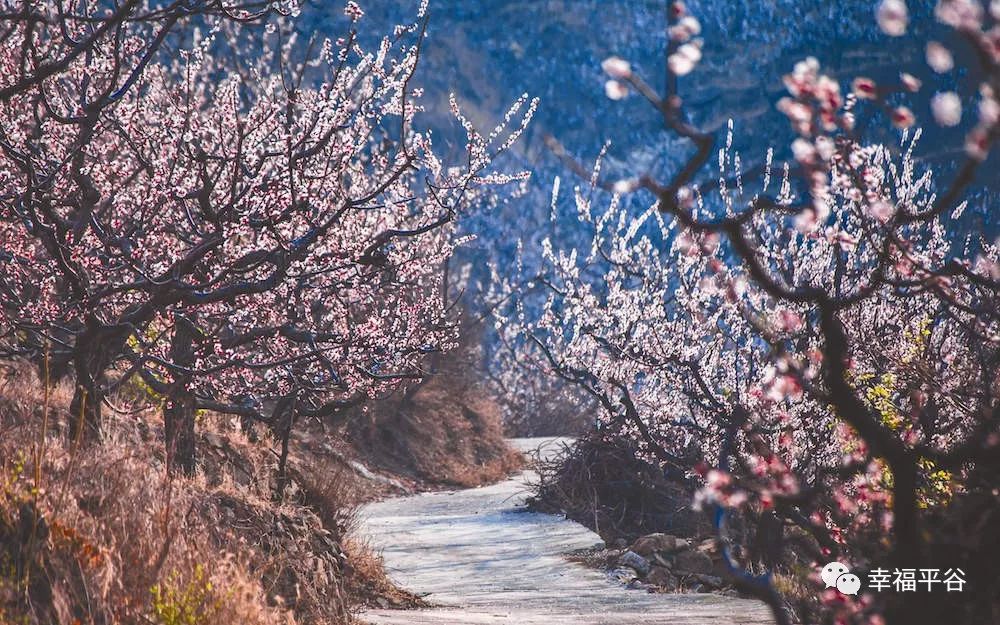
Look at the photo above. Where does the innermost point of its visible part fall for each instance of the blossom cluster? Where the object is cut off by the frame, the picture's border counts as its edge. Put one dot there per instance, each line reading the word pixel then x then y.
pixel 822 349
pixel 299 223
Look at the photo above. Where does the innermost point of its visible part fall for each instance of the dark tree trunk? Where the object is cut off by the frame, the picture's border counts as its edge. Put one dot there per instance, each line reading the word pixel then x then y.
pixel 55 359
pixel 179 413
pixel 85 414
pixel 247 426
pixel 178 421
pixel 907 550
pixel 88 398
pixel 286 412
pixel 766 547
pixel 96 348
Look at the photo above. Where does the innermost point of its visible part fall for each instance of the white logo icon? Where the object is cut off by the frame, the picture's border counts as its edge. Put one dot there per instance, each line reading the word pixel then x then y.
pixel 831 572
pixel 848 583
pixel 837 575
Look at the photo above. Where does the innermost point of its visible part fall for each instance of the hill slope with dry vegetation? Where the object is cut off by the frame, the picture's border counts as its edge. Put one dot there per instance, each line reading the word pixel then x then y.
pixel 103 534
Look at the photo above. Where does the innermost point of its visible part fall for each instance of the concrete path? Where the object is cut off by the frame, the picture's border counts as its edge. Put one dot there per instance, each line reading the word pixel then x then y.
pixel 473 553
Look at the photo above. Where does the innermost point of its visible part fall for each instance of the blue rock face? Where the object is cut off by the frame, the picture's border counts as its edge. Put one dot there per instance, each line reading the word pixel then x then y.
pixel 488 52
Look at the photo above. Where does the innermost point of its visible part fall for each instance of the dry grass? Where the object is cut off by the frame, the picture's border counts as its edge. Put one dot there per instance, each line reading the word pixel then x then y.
pixel 99 534
pixel 444 433
pixel 605 485
pixel 367 581
pixel 447 431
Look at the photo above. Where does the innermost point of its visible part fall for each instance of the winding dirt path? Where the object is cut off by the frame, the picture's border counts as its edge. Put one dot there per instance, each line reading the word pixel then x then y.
pixel 480 558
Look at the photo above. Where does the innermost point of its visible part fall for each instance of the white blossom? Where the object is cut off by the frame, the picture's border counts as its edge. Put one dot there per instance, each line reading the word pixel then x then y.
pixel 616 67
pixel 615 90
pixel 947 108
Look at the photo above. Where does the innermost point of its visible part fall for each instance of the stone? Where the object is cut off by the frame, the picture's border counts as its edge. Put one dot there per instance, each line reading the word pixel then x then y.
pixel 611 558
pixel 709 546
pixel 662 577
pixel 652 543
pixel 693 562
pixel 624 575
pixel 241 476
pixel 709 580
pixel 633 560
pixel 661 560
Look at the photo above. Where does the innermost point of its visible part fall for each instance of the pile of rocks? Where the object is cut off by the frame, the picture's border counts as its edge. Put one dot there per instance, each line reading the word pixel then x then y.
pixel 665 563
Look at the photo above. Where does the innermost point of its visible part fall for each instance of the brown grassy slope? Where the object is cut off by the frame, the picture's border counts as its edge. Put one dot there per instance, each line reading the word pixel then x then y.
pixel 446 432
pixel 99 534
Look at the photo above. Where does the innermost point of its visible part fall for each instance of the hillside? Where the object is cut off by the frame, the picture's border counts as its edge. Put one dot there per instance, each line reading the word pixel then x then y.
pixel 103 534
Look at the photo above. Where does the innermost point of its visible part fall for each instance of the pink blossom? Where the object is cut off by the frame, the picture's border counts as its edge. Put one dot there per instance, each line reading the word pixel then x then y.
pixel 960 14
pixel 881 210
pixel 864 88
pixel 690 50
pixel 690 24
pixel 737 499
pixel 893 17
pixel 977 143
pixel 804 151
pixel 939 57
pixel 989 108
pixel 798 113
pixel 680 65
pixel 902 117
pixel 803 77
pixel 710 243
pixel 718 479
pixel 783 386
pixel 809 219
pixel 910 82
pixel 353 11
pixel 825 147
pixel 766 499
pixel 788 320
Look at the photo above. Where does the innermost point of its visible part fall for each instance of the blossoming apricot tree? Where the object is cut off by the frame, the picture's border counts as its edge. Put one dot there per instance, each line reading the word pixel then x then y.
pixel 263 240
pixel 822 352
